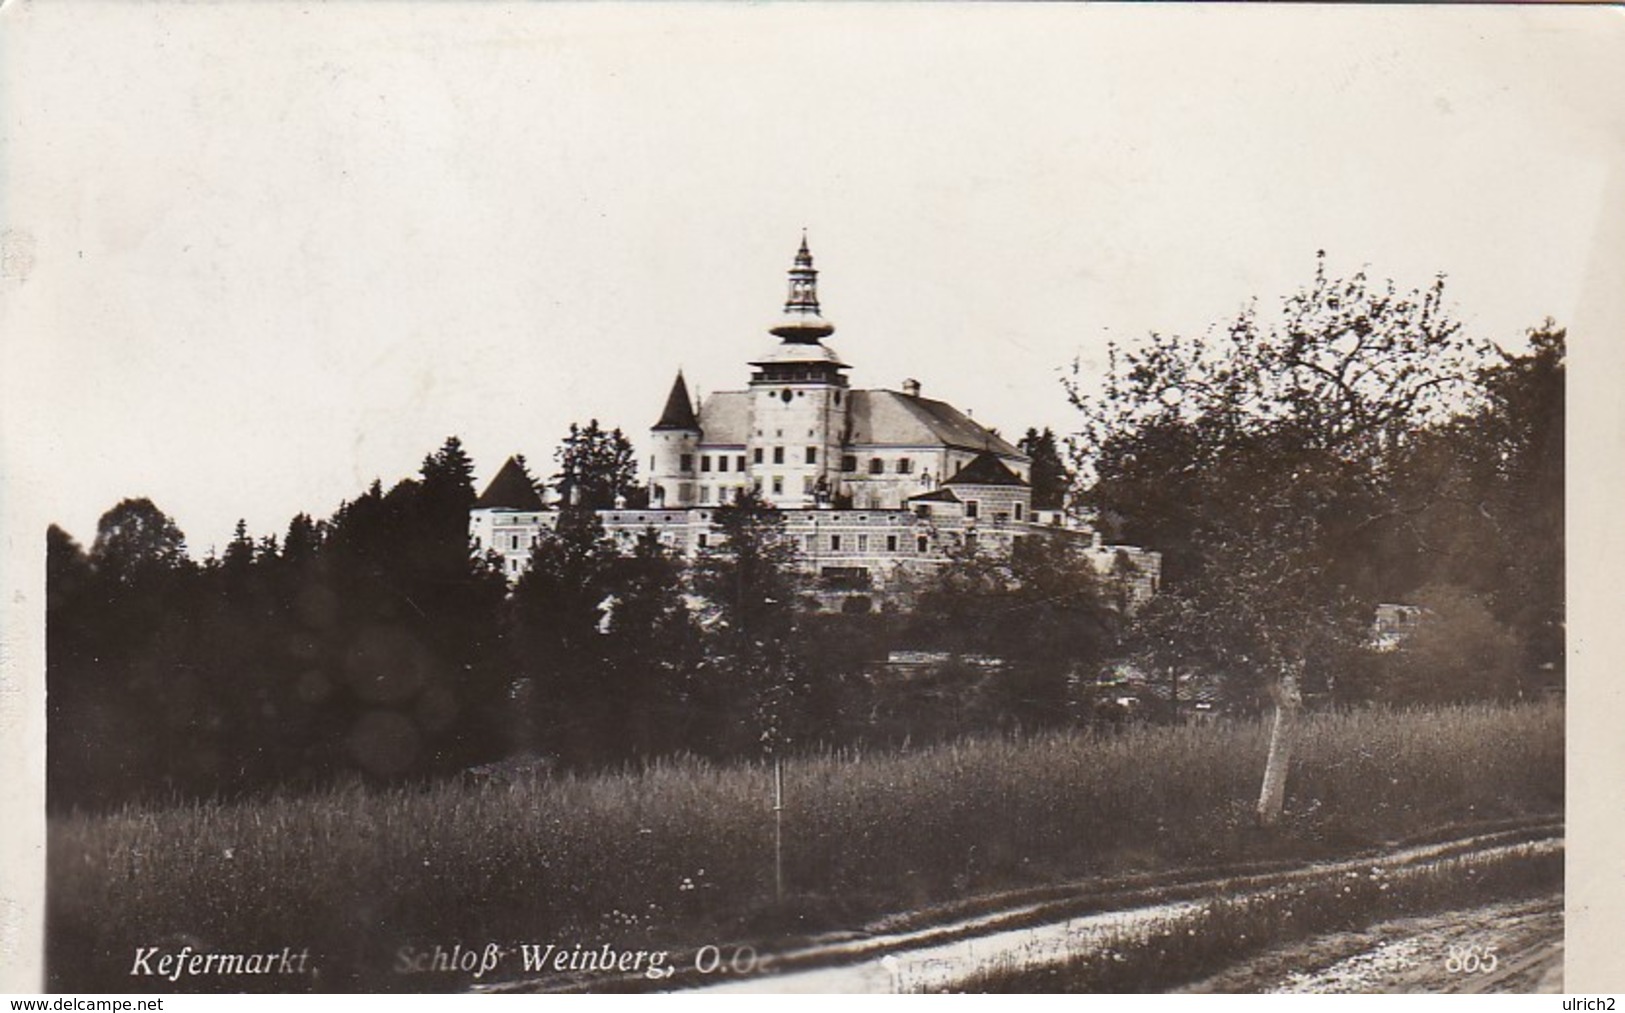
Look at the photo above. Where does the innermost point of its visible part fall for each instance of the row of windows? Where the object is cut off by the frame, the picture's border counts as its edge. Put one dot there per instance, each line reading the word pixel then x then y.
pixel 877 466
pixel 849 462
pixel 809 543
pixel 778 456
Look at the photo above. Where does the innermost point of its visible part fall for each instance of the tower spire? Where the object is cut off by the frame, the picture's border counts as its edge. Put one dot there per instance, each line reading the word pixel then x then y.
pixel 679 410
pixel 801 322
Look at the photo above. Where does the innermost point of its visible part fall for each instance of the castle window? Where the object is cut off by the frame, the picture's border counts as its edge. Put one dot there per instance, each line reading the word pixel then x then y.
pixel 702 540
pixel 806 483
pixel 809 545
pixel 837 397
pixel 705 494
pixel 778 484
pixel 784 395
pixel 778 455
pixel 513 565
pixel 722 462
pixel 904 466
pixel 685 462
pixel 863 543
pixel 920 543
pixel 877 466
pixel 758 453
pixel 835 543
pixel 1018 511
pixel 477 545
pixel 515 544
pixel 971 508
pixel 739 462
pixel 812 455
pixel 891 543
pixel 849 462
pixel 970 541
pixel 705 462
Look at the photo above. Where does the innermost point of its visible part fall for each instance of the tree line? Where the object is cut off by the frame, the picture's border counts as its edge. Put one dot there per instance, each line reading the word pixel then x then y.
pixel 375 644
pixel 1294 471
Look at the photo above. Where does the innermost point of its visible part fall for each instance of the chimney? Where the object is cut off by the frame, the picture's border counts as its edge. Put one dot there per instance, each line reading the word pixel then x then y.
pixel 911 387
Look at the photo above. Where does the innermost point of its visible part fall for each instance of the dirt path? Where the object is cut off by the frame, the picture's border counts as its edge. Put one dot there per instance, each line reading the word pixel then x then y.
pixel 1413 955
pixel 931 953
pixel 1404 955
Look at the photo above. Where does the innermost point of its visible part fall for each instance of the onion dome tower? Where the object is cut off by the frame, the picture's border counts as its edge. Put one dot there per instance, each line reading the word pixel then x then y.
pixel 798 400
pixel 801 323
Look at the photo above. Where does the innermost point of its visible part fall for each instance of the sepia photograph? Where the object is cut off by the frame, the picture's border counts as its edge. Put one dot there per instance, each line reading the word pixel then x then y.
pixel 807 498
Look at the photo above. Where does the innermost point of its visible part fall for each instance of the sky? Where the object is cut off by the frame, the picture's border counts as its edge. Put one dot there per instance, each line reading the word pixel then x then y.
pixel 256 256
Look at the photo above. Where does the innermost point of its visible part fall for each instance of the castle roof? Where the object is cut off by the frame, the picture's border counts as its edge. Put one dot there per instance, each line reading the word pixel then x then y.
pixel 935 496
pixel 725 418
pixel 510 490
pixel 886 417
pixel 985 469
pixel 679 410
pixel 882 418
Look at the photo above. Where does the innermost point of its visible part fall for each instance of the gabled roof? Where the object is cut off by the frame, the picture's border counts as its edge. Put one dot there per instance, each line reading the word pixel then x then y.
pixel 509 490
pixel 935 496
pixel 985 469
pixel 889 418
pixel 883 418
pixel 679 410
pixel 725 418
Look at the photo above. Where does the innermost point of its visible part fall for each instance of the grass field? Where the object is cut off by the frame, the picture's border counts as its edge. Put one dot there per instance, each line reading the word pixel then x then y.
pixel 682 853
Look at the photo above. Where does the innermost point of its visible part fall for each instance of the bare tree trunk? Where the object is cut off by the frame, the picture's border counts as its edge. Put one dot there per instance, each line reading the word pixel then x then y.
pixel 1288 701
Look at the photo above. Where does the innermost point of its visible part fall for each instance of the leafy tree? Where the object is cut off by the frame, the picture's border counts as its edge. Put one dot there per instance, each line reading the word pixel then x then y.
pixel 1269 446
pixel 1523 425
pixel 652 655
pixel 1042 611
pixel 136 539
pixel 749 578
pixel 559 607
pixel 1457 652
pixel 596 468
pixel 1051 478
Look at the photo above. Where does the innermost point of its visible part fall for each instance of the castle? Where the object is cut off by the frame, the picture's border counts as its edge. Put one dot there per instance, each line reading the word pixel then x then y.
pixel 874 485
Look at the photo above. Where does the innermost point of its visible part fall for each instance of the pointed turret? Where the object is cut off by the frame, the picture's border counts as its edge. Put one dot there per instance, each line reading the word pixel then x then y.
pixel 511 489
pixel 801 322
pixel 679 410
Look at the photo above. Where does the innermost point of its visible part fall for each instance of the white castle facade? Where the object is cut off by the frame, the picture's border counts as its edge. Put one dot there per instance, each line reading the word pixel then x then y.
pixel 875 486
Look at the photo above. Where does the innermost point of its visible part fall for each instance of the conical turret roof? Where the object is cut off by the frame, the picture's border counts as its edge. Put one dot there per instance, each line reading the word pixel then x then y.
pixel 679 411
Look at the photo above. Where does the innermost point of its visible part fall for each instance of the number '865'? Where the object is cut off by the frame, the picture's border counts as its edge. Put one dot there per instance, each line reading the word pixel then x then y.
pixel 1471 960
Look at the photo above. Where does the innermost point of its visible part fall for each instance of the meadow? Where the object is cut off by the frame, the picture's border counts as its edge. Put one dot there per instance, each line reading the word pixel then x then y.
pixel 681 853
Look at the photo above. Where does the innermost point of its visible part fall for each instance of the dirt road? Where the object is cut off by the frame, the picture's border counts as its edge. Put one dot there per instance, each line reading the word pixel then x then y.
pixel 943 953
pixel 1408 955
pixel 1414 955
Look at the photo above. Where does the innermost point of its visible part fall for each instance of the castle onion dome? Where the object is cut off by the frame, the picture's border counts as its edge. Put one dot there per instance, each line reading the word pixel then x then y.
pixel 801 322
